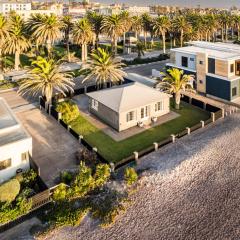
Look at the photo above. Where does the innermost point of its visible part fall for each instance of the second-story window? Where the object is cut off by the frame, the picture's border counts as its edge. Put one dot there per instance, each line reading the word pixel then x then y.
pixel 211 65
pixel 232 68
pixel 184 61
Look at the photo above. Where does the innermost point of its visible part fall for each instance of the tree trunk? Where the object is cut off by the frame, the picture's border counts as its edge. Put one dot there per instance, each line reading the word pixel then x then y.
pixel 164 42
pixel 49 49
pixel 174 41
pixel 115 46
pixel 86 52
pixel 222 33
pixel 226 33
pixel 232 32
pixel 97 40
pixel 68 52
pixel 17 60
pixel 177 100
pixel 238 34
pixel 181 38
pixel 83 53
pixel 145 39
pixel 152 43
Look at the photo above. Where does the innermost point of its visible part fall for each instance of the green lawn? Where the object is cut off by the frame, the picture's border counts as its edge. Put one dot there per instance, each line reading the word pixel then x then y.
pixel 115 151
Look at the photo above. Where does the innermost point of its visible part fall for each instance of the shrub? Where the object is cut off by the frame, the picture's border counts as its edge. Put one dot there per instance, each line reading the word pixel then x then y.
pixel 9 190
pixel 86 156
pixel 102 174
pixel 60 193
pixel 84 181
pixel 66 177
pixel 29 178
pixel 130 176
pixel 69 111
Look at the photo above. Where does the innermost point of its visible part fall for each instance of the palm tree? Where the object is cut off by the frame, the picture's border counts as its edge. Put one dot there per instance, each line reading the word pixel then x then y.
pixel 83 35
pixel 17 41
pixel 96 20
pixel 182 25
pixel 137 25
pixel 4 33
pixel 104 68
pixel 114 28
pixel 174 82
pixel 160 26
pixel 126 23
pixel 67 28
pixel 146 24
pixel 237 25
pixel 45 77
pixel 140 47
pixel 46 29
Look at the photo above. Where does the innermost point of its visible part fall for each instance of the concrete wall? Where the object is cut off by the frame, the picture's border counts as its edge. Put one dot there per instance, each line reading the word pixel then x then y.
pixel 123 124
pixel 14 152
pixel 105 114
pixel 191 60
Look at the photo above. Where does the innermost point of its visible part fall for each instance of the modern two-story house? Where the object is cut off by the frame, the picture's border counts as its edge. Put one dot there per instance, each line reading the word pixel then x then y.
pixel 15 144
pixel 216 67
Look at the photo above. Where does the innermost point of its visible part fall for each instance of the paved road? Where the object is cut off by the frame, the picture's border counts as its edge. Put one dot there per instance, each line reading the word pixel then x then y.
pixel 146 69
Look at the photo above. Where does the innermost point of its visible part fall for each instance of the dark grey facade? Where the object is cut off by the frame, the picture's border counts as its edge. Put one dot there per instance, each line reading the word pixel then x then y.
pixel 225 89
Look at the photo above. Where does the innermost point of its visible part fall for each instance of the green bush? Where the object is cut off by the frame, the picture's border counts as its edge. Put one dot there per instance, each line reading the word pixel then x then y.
pixel 9 190
pixel 10 213
pixel 66 177
pixel 130 176
pixel 84 181
pixel 102 174
pixel 69 111
pixel 29 178
pixel 60 193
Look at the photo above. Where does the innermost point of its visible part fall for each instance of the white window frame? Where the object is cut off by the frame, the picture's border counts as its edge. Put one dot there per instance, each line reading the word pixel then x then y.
pixel 94 104
pixel 130 116
pixel 158 106
pixel 146 112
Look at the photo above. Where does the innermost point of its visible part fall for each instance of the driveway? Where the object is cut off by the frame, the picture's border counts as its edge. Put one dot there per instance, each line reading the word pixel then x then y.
pixel 53 147
pixel 190 191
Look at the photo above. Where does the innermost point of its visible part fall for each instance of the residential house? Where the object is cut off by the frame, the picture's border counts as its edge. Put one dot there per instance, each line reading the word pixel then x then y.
pixel 7 6
pixel 15 144
pixel 216 67
pixel 129 105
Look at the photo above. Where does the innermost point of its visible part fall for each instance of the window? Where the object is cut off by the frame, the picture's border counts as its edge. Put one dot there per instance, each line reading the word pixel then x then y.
pixel 192 59
pixel 130 116
pixel 158 106
pixel 95 104
pixel 201 81
pixel 201 62
pixel 5 164
pixel 234 91
pixel 184 61
pixel 232 68
pixel 211 65
pixel 144 112
pixel 24 156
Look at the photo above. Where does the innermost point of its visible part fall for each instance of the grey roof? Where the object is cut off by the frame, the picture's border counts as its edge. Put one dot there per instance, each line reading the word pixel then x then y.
pixel 10 129
pixel 128 96
pixel 141 79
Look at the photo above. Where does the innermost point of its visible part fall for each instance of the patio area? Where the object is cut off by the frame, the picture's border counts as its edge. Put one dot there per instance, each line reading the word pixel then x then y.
pixel 82 102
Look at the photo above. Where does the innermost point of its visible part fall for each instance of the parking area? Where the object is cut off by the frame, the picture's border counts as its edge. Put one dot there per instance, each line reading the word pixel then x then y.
pixel 53 147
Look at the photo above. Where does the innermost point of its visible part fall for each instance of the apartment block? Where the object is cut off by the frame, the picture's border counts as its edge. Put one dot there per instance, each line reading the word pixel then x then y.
pixel 216 67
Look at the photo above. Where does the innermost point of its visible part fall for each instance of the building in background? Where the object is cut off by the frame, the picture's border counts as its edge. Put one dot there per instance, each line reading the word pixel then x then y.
pixel 137 10
pixel 8 6
pixel 15 144
pixel 216 67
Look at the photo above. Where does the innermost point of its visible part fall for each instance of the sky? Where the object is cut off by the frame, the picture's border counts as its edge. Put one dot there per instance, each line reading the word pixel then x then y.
pixel 192 3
